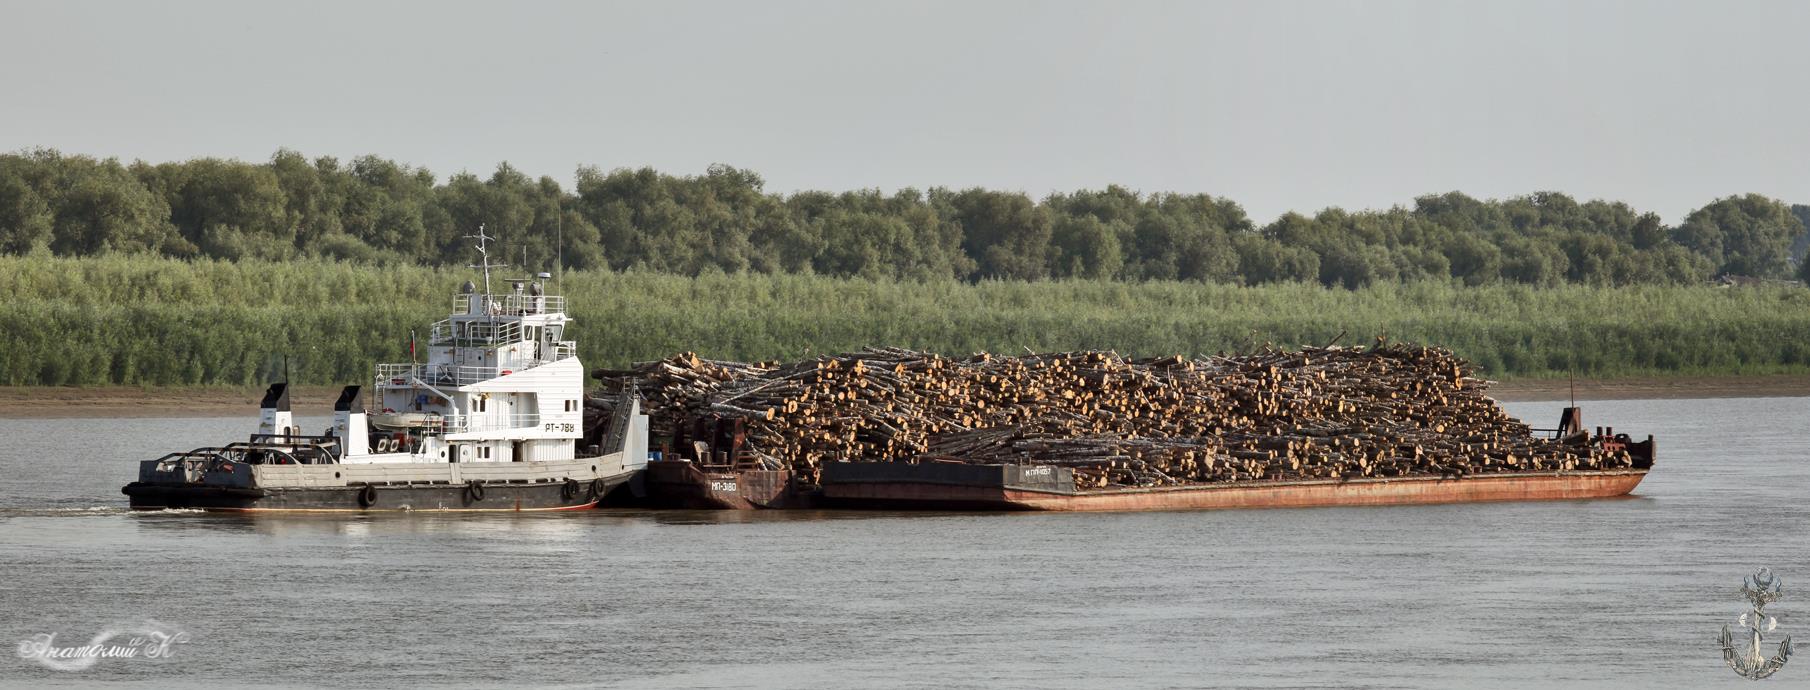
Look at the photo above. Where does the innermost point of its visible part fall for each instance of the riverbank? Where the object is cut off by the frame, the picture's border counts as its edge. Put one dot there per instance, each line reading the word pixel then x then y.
pixel 115 402
pixel 103 402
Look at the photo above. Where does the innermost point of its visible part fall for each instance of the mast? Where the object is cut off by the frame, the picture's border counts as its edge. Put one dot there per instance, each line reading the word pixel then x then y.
pixel 484 257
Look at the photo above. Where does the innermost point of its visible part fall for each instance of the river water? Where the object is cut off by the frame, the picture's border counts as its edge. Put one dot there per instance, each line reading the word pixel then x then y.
pixel 1629 592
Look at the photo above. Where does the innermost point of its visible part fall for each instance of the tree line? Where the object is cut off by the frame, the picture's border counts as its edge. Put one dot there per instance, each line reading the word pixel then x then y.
pixel 378 211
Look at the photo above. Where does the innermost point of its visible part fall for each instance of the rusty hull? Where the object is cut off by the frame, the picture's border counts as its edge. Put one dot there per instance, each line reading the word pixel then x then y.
pixel 682 484
pixel 905 494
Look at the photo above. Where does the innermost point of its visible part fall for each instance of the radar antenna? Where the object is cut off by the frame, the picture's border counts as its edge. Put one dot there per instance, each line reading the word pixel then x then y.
pixel 484 256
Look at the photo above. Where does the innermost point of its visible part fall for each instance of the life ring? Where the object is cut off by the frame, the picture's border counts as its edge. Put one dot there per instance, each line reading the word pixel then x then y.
pixel 475 490
pixel 367 496
pixel 597 488
pixel 569 490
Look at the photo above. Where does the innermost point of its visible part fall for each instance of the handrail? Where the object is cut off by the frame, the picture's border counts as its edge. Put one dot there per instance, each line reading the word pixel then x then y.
pixel 509 304
pixel 399 374
pixel 446 332
pixel 463 423
pixel 433 374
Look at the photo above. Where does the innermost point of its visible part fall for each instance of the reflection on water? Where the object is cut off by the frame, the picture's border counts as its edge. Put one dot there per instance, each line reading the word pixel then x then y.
pixel 1566 594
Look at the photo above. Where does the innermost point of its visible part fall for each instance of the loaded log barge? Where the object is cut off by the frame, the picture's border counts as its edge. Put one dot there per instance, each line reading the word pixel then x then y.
pixel 1390 426
pixel 715 484
pixel 959 486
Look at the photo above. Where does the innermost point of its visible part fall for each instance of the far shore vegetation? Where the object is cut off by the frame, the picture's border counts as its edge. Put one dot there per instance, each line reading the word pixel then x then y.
pixel 139 320
pixel 224 272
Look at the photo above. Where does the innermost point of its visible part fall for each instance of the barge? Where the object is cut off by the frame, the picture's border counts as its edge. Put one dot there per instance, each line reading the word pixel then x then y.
pixel 715 470
pixel 686 484
pixel 962 486
pixel 940 486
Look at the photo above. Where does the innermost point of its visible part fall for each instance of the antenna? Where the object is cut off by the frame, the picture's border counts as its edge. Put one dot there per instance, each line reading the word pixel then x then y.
pixel 484 256
pixel 559 244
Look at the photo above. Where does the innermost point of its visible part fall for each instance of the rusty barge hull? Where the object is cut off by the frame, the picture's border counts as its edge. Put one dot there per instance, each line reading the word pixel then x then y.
pixel 909 487
pixel 683 484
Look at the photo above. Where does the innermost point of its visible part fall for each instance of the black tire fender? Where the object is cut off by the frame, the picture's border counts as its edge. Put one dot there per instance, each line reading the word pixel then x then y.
pixel 367 496
pixel 475 490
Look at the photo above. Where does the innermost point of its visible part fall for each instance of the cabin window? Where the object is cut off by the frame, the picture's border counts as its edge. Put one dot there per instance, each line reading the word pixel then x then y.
pixel 571 405
pixel 478 405
pixel 483 452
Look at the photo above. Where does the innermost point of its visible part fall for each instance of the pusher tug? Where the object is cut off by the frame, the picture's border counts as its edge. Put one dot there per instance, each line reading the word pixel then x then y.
pixel 493 421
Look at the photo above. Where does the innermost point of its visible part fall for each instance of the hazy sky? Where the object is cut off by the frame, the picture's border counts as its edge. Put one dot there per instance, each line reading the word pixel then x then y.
pixel 1277 105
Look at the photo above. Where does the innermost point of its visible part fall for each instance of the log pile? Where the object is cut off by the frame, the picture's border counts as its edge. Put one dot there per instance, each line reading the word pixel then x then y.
pixel 1320 412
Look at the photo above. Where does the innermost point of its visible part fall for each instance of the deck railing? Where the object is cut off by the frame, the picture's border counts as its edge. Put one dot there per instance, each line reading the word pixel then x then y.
pixel 510 304
pixel 449 375
pixel 435 423
pixel 465 333
pixel 462 423
pixel 432 374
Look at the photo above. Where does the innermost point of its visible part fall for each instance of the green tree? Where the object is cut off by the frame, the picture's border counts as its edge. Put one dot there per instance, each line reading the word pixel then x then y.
pixel 25 217
pixel 1084 247
pixel 100 206
pixel 1743 235
pixel 387 206
pixel 229 209
pixel 310 206
pixel 1006 235
pixel 1474 260
pixel 1533 262
pixel 1264 260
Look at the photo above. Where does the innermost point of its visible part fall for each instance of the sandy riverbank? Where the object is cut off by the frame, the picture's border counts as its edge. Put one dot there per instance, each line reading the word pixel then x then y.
pixel 120 401
pixel 125 401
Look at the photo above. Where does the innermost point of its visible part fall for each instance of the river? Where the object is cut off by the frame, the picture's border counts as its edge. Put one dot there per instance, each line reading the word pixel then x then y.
pixel 1626 592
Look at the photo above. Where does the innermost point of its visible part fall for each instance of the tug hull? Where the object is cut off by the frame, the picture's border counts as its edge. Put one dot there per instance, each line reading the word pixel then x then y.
pixel 212 484
pixel 496 497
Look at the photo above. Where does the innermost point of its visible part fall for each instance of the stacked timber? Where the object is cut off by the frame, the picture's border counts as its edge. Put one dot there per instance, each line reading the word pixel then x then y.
pixel 1319 412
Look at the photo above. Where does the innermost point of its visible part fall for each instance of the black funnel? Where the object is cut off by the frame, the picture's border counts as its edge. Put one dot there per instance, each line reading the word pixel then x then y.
pixel 348 400
pixel 276 398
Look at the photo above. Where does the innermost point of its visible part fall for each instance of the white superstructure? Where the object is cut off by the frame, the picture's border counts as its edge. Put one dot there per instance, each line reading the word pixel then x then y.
pixel 500 383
